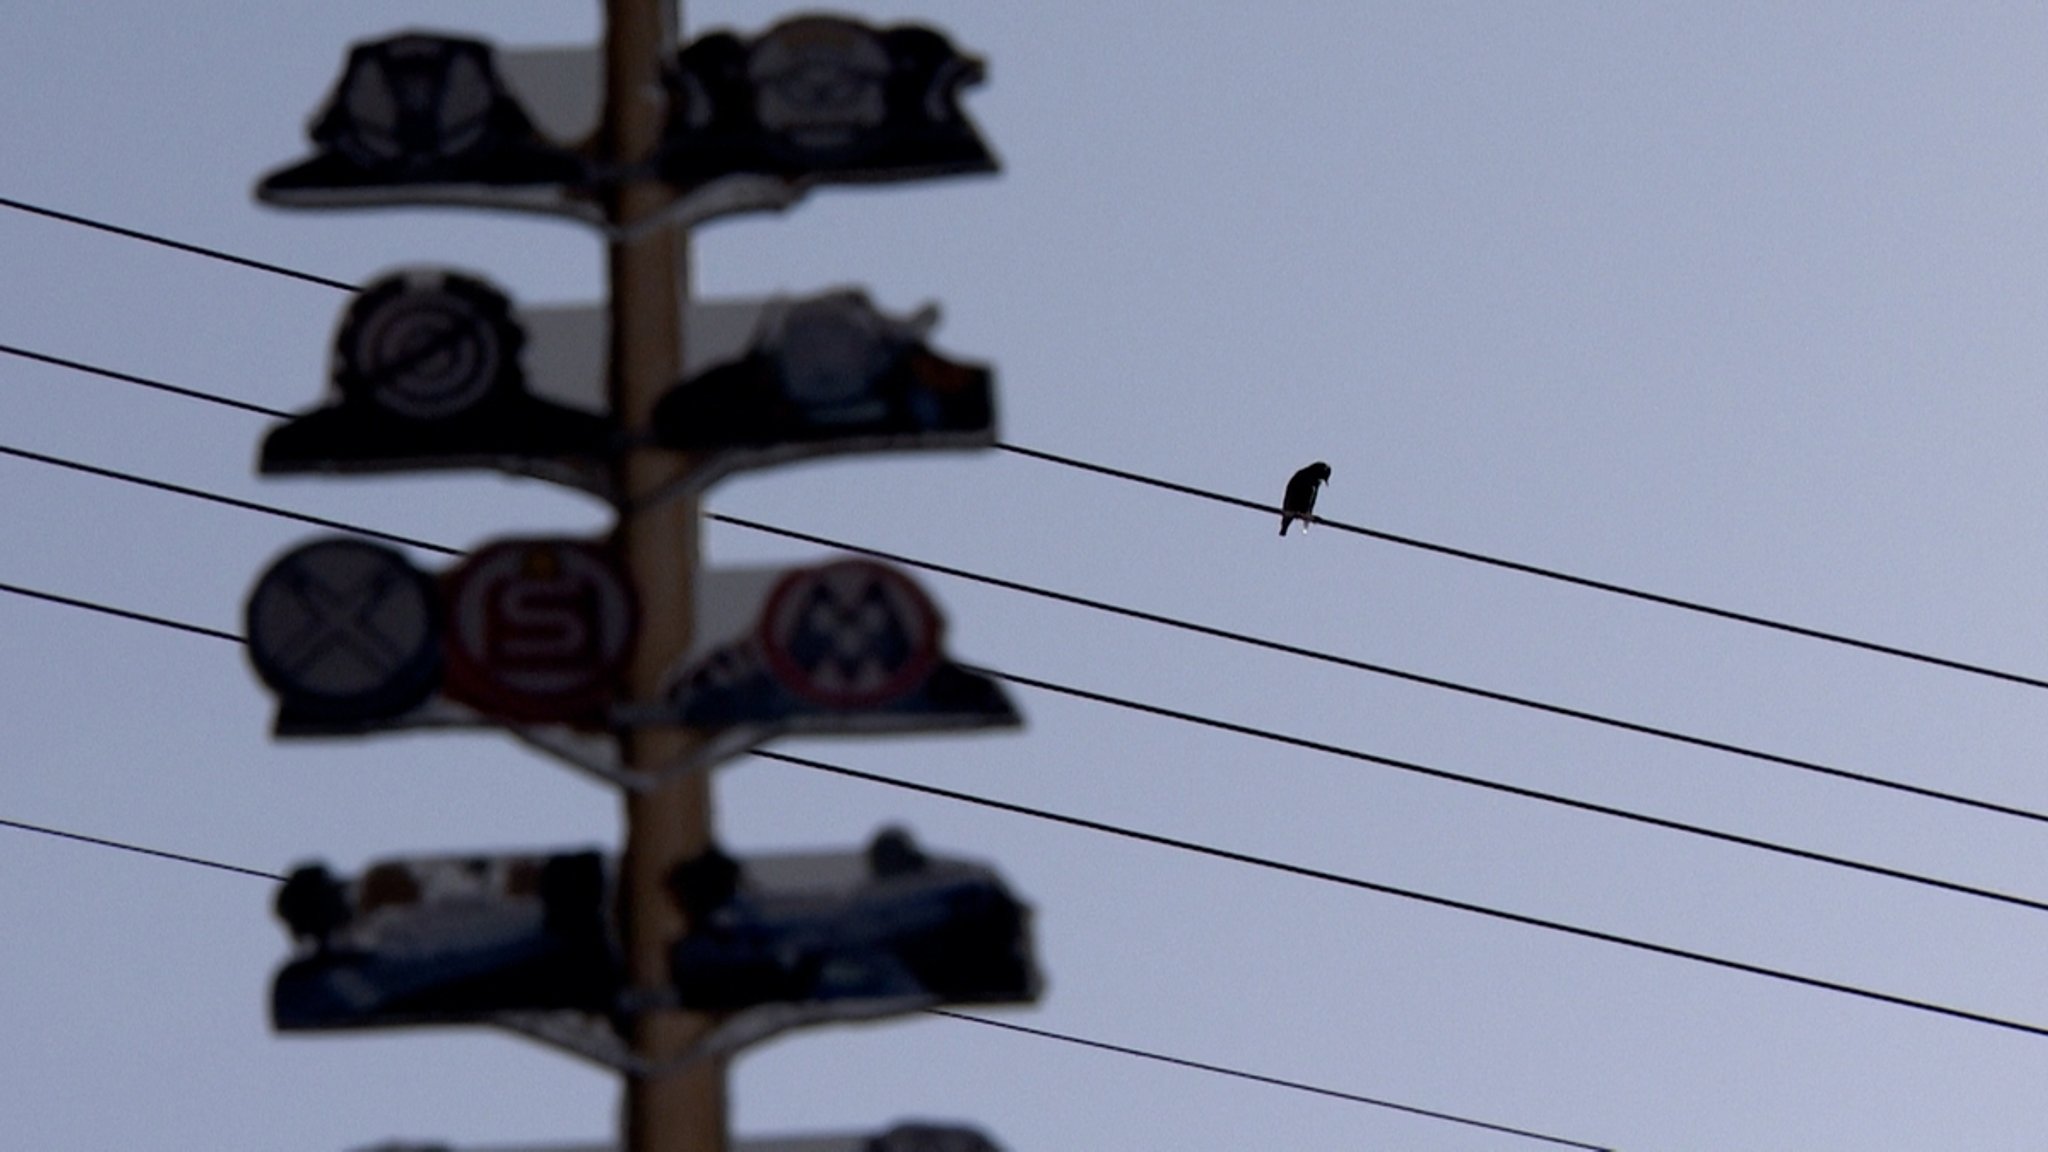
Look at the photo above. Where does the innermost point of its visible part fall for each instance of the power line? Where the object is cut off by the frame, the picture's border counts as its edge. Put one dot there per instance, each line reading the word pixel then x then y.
pixel 1732 749
pixel 180 245
pixel 1266 734
pixel 1545 573
pixel 1181 1062
pixel 1305 872
pixel 1386 670
pixel 1235 501
pixel 1144 1054
pixel 143 381
pixel 138 849
pixel 1728 747
pixel 1919 790
pixel 1281 866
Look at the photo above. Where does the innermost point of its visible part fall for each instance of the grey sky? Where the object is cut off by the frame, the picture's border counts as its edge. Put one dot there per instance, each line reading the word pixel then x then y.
pixel 1736 302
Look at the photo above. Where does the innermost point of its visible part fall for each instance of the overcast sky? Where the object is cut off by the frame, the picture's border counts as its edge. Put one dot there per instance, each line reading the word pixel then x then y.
pixel 1738 302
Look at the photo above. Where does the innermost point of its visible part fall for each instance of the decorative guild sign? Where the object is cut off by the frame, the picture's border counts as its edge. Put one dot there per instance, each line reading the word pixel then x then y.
pixel 530 635
pixel 424 118
pixel 528 943
pixel 353 639
pixel 447 940
pixel 846 648
pixel 436 369
pixel 825 376
pixel 820 99
pixel 428 119
pixel 345 632
pixel 805 939
pixel 538 630
pixel 428 368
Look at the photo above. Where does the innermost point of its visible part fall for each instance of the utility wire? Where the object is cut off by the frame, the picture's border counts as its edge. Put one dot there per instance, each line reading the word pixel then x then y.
pixel 1082 1041
pixel 1307 873
pixel 144 381
pixel 229 501
pixel 1384 670
pixel 123 613
pixel 1299 870
pixel 1545 573
pixel 1552 798
pixel 180 245
pixel 159 853
pixel 1224 498
pixel 1804 765
pixel 1251 731
pixel 1181 1062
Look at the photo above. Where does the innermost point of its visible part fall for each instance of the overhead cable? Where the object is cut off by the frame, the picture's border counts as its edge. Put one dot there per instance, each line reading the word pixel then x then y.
pixel 1805 765
pixel 1546 573
pixel 1466 554
pixel 1298 870
pixel 1254 732
pixel 1141 1053
pixel 1182 1062
pixel 180 245
pixel 1341 661
pixel 1327 877
pixel 124 846
pixel 1662 733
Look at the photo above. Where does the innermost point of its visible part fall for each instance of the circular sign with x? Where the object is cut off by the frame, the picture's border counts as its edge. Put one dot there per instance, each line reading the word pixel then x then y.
pixel 344 629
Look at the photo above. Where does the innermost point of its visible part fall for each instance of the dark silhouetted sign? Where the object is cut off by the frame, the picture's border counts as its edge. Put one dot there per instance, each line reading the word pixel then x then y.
pixel 344 632
pixel 838 937
pixel 528 943
pixel 523 634
pixel 753 124
pixel 422 118
pixel 850 636
pixel 820 99
pixel 428 371
pixel 824 376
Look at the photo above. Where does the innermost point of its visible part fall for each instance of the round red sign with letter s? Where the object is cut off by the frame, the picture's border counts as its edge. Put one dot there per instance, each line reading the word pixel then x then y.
pixel 538 630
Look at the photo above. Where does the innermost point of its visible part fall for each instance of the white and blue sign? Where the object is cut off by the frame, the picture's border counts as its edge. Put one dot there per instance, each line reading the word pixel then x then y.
pixel 529 943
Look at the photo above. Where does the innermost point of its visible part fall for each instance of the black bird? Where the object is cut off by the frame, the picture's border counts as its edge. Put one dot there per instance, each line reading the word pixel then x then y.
pixel 1300 499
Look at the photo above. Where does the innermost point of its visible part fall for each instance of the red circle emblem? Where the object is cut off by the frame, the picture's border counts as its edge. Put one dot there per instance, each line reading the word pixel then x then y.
pixel 854 634
pixel 538 630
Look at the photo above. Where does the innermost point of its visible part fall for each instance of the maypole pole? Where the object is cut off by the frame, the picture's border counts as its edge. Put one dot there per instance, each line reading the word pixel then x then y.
pixel 649 274
pixel 663 965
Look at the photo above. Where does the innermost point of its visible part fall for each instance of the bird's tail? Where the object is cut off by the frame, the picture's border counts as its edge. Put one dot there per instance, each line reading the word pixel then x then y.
pixel 1284 522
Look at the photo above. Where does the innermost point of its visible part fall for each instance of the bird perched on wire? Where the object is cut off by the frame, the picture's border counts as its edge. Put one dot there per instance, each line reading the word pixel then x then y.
pixel 1300 499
